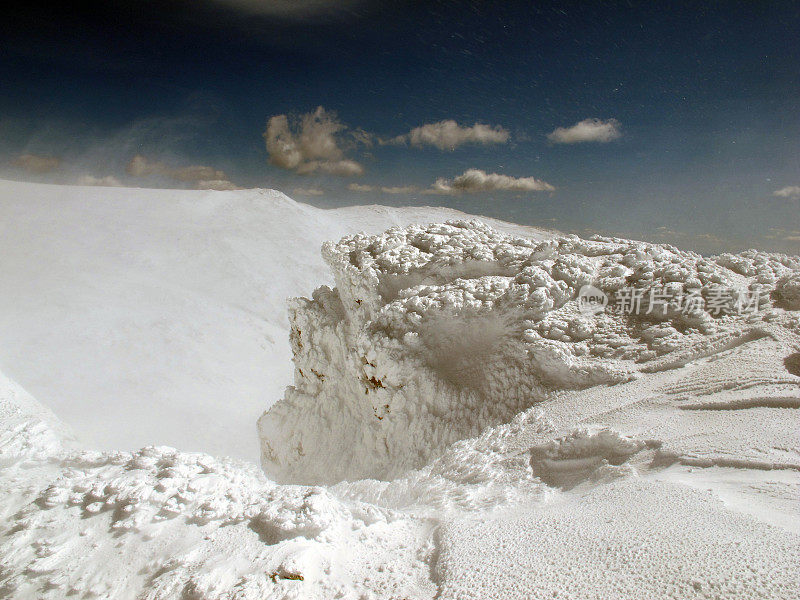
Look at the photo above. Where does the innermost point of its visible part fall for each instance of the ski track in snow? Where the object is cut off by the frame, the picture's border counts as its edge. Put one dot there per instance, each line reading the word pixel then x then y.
pixel 658 459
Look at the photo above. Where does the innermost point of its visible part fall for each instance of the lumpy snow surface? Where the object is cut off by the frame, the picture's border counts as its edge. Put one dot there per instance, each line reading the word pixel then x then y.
pixel 482 436
pixel 433 333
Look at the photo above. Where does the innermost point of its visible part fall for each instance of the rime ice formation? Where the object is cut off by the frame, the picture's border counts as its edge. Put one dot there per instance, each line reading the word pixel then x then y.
pixel 434 332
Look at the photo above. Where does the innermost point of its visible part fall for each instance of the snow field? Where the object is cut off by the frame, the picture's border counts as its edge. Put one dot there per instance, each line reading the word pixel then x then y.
pixel 484 438
pixel 434 333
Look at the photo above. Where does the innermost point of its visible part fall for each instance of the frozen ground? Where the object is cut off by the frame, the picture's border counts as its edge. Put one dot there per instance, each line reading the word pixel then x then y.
pixel 519 448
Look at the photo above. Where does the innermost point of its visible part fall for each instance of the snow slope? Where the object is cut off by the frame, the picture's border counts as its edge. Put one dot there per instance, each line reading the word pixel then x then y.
pixel 643 458
pixel 521 511
pixel 157 523
pixel 171 302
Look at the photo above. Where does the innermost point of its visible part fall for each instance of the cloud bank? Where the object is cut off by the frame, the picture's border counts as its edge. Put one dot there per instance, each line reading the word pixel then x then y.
pixel 34 163
pixel 311 145
pixel 448 135
pixel 588 130
pixel 300 191
pixel 361 187
pixel 200 176
pixel 790 192
pixel 476 180
pixel 470 181
pixel 400 189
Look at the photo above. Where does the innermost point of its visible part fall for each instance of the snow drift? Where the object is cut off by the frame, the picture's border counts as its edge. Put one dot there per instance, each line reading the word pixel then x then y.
pixel 433 333
pixel 172 302
pixel 528 446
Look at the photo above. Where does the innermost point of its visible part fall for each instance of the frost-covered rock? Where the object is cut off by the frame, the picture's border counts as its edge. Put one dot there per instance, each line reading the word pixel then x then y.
pixel 433 333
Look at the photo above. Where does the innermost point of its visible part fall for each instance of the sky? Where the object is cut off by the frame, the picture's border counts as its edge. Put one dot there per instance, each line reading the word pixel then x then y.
pixel 673 122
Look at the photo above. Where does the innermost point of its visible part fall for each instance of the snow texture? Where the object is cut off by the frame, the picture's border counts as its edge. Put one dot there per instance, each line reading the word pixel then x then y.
pixel 583 456
pixel 170 302
pixel 435 332
pixel 158 523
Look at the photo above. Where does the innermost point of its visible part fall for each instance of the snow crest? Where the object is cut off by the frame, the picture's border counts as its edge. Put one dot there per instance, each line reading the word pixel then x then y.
pixel 436 332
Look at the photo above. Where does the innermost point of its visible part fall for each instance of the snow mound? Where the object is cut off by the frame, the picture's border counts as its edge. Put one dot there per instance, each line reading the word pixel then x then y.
pixel 787 291
pixel 158 523
pixel 650 455
pixel 171 302
pixel 433 333
pixel 484 520
pixel 28 431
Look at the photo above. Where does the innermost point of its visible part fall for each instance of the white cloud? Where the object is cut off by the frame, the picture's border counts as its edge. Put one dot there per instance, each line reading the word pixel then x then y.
pixel 220 185
pixel 299 191
pixel 790 192
pixel 201 176
pixel 34 163
pixel 448 135
pixel 107 181
pixel 588 130
pixel 361 187
pixel 312 145
pixel 400 189
pixel 341 168
pixel 475 180
pixel 141 166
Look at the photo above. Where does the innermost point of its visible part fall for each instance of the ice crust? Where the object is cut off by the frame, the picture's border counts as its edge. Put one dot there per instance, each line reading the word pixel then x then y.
pixel 435 332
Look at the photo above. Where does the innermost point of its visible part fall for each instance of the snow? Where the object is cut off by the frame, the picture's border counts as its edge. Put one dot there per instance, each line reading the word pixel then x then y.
pixel 621 540
pixel 158 523
pixel 170 302
pixel 582 455
pixel 434 333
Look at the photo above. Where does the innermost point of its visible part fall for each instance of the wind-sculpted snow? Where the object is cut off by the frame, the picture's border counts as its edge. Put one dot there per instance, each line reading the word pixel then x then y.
pixel 173 302
pixel 433 333
pixel 602 544
pixel 518 446
pixel 159 523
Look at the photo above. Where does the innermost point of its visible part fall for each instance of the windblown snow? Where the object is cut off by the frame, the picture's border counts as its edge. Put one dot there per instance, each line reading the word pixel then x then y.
pixel 460 426
pixel 159 316
pixel 434 333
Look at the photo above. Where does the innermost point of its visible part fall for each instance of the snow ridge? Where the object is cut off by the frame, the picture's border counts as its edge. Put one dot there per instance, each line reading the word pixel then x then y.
pixel 435 332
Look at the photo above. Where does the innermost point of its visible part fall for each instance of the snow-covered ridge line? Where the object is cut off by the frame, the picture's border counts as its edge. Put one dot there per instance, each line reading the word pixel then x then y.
pixel 433 333
pixel 172 302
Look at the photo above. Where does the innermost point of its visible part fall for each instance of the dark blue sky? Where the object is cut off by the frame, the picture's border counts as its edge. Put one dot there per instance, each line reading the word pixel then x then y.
pixel 704 97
